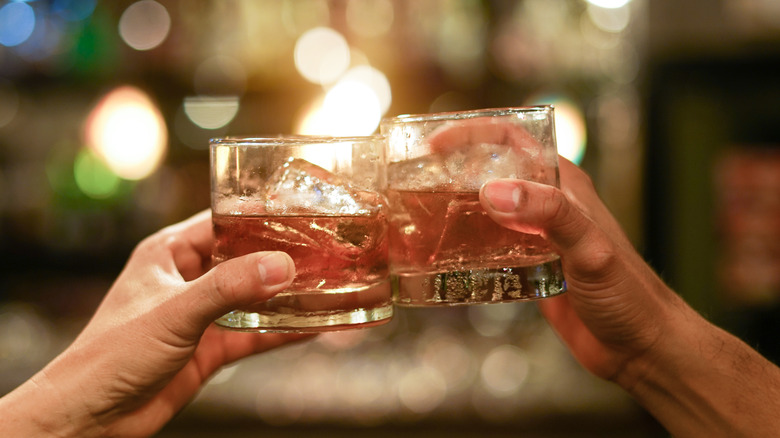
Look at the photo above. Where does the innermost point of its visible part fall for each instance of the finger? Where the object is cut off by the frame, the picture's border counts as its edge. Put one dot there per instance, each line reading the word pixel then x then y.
pixel 183 249
pixel 196 230
pixel 235 283
pixel 559 312
pixel 219 347
pixel 478 131
pixel 586 347
pixel 541 209
pixel 579 189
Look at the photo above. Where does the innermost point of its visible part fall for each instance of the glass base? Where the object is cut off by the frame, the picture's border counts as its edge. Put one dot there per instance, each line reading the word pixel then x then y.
pixel 315 311
pixel 479 286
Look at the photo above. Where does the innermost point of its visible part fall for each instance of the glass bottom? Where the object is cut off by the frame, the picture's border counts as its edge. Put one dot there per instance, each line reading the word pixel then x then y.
pixel 315 311
pixel 479 286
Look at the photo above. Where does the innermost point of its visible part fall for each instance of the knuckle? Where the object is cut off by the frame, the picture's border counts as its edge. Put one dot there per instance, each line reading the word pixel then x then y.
pixel 220 291
pixel 172 242
pixel 597 262
pixel 146 245
pixel 601 261
pixel 556 207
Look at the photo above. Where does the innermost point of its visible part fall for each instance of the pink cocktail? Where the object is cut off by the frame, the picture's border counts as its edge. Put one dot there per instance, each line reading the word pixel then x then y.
pixel 444 249
pixel 332 223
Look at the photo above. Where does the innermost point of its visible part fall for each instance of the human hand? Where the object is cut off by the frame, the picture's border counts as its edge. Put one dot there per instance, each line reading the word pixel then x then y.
pixel 602 319
pixel 615 301
pixel 598 260
pixel 618 318
pixel 151 344
pixel 624 324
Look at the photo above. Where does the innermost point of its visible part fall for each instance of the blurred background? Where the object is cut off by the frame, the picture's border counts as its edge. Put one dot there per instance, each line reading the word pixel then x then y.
pixel 106 109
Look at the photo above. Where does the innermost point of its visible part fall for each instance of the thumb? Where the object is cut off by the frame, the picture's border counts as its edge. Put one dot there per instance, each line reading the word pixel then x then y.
pixel 545 210
pixel 239 282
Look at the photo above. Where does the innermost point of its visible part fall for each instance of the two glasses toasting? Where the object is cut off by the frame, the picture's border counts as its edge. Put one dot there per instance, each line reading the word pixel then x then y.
pixel 389 219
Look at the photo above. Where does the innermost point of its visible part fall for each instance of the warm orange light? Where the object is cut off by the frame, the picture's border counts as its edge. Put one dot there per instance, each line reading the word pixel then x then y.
pixel 321 55
pixel 349 108
pixel 127 131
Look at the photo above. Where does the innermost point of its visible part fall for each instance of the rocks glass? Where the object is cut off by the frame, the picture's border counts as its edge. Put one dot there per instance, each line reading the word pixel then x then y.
pixel 444 249
pixel 319 199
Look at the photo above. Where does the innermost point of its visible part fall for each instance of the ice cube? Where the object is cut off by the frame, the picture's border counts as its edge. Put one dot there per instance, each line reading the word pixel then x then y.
pixel 302 187
pixel 460 235
pixel 423 173
pixel 471 166
pixel 478 150
pixel 466 168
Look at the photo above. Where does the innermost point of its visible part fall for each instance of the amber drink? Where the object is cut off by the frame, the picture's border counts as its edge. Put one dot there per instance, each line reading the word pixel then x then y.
pixel 444 249
pixel 321 201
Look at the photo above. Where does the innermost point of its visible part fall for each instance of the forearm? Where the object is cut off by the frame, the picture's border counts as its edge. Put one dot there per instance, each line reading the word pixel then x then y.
pixel 48 405
pixel 701 381
pixel 27 412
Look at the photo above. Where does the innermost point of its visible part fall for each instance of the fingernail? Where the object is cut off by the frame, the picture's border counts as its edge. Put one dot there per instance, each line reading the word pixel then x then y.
pixel 502 195
pixel 275 268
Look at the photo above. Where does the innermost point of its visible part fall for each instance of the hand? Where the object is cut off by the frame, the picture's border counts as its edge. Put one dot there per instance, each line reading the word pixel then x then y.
pixel 603 320
pixel 615 302
pixel 624 324
pixel 151 344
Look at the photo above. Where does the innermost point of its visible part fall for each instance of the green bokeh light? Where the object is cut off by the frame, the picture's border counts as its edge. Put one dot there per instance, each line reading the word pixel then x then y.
pixel 93 177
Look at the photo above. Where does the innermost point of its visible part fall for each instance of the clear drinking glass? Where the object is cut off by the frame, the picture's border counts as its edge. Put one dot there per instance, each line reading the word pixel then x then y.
pixel 444 249
pixel 319 199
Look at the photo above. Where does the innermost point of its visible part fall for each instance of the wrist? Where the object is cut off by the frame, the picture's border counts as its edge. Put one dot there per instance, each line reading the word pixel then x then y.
pixel 41 407
pixel 699 380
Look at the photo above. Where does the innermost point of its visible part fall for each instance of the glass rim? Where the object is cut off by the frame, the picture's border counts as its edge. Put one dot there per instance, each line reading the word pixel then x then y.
pixel 467 114
pixel 291 140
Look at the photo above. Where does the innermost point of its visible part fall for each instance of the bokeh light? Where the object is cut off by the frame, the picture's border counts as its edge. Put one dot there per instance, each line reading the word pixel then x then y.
pixel 192 135
pixel 93 177
pixel 375 80
pixel 349 108
pixel 17 22
pixel 128 132
pixel 361 386
pixel 144 25
pixel 504 370
pixel 422 389
pixel 609 4
pixel 321 55
pixel 492 320
pixel 211 112
pixel 447 353
pixel 610 19
pixel 570 128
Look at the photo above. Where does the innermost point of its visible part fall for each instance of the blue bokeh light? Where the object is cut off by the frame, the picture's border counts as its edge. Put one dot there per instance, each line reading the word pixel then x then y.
pixel 17 22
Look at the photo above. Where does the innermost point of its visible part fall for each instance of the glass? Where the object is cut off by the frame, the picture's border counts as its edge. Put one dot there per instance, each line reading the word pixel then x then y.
pixel 320 200
pixel 444 249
